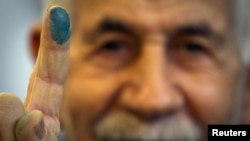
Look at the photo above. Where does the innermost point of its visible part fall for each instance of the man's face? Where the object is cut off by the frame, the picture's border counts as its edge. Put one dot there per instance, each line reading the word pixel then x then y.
pixel 149 69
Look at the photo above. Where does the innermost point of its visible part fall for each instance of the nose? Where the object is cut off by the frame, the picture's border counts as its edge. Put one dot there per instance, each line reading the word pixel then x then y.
pixel 150 90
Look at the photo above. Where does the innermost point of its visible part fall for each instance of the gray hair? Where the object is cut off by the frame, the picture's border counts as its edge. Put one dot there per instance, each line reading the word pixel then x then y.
pixel 242 31
pixel 242 22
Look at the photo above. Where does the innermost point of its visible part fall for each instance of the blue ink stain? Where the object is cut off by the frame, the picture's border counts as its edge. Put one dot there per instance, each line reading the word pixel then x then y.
pixel 59 25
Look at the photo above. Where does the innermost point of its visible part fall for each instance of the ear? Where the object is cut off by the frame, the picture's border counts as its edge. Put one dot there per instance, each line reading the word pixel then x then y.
pixel 34 39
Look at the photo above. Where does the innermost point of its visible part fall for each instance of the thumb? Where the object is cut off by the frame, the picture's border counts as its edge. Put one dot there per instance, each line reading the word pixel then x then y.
pixel 31 127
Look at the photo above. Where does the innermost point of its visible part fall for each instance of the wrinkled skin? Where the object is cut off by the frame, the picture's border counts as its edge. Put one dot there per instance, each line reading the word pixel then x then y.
pixel 38 118
pixel 150 69
pixel 139 70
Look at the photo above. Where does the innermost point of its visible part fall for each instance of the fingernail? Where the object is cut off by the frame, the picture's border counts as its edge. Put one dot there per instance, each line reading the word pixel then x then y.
pixel 59 25
pixel 40 129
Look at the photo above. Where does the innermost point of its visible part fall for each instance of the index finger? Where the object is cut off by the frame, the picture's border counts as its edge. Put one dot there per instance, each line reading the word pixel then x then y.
pixel 46 82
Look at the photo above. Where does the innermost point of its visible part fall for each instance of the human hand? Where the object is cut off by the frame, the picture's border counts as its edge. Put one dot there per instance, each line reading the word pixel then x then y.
pixel 38 118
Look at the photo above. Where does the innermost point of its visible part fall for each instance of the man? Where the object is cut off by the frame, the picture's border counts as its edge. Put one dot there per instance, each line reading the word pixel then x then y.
pixel 138 70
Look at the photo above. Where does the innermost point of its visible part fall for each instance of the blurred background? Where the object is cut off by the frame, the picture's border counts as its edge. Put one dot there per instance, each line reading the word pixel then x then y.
pixel 16 20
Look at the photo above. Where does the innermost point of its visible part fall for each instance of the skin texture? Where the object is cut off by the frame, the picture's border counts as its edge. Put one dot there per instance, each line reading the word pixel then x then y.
pixel 47 79
pixel 139 70
pixel 12 106
pixel 149 69
pixel 38 118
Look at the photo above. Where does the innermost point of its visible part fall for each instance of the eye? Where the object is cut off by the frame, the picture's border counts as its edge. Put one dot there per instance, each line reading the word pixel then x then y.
pixel 114 46
pixel 113 53
pixel 191 52
pixel 193 47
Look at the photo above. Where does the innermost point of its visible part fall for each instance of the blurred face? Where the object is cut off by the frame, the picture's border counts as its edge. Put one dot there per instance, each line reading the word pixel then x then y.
pixel 150 69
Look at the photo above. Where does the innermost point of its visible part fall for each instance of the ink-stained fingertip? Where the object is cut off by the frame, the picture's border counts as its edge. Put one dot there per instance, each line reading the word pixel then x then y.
pixel 59 24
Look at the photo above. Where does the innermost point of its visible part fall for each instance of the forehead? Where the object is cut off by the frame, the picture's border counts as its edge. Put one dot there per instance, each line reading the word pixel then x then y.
pixel 155 13
pixel 151 5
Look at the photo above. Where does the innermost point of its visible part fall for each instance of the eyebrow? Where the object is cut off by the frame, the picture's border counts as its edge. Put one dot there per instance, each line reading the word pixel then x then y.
pixel 202 29
pixel 107 25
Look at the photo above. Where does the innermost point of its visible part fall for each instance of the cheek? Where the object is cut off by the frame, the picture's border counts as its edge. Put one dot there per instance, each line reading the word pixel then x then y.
pixel 88 96
pixel 209 97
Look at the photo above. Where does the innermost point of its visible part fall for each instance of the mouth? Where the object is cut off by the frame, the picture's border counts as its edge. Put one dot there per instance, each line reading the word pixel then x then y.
pixel 126 127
